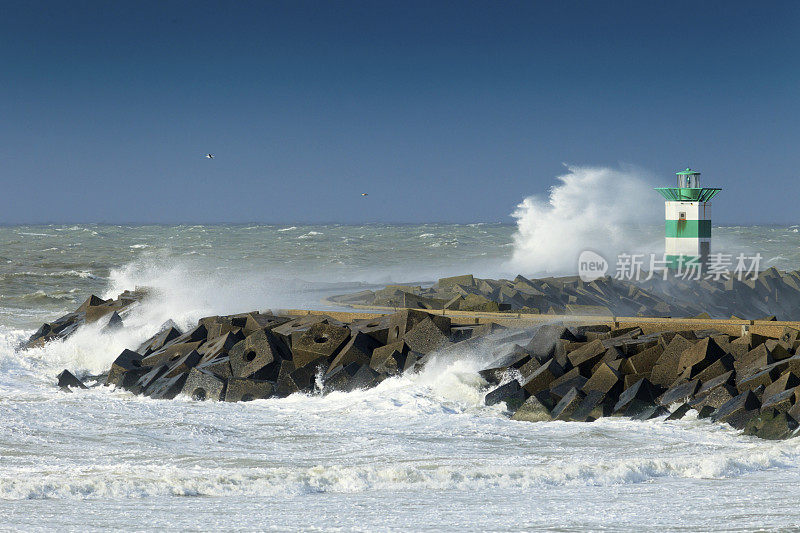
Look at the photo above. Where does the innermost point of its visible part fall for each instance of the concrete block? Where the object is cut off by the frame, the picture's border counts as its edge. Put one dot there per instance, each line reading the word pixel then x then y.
pixel 630 380
pixel 665 371
pixel 680 412
pixel 201 386
pixel 258 353
pixel 145 383
pixel 543 344
pixel 654 411
pixel 543 377
pixel 793 365
pixel 461 333
pixel 446 284
pixel 415 301
pixel 365 378
pixel 338 378
pixel 771 425
pixel 701 355
pixel 644 361
pixel 606 380
pixel 92 301
pixel 284 384
pixel 67 381
pixel 782 401
pixel 257 321
pixel 170 352
pixel 320 340
pixel 404 321
pixel 530 366
pixel 751 340
pixel 560 390
pixel 220 325
pixel 159 340
pixel 220 346
pixel 183 365
pixel 114 323
pixel 511 391
pixel 588 354
pixel 738 411
pixel 631 332
pixel 787 380
pixel 779 350
pixel 300 324
pixel 666 337
pixel 568 404
pixel 357 350
pixel 125 363
pixel 197 334
pixel 305 377
pixel 760 378
pixel 165 388
pixel 220 367
pixel 245 390
pixel 721 366
pixel 704 411
pixel 532 410
pixel 613 357
pixel 790 335
pixel 595 405
pixel 714 398
pixel 728 378
pixel 493 376
pixel 425 337
pixel 636 346
pixel 758 357
pixel 377 328
pixel 509 355
pixel 94 313
pixel 637 398
pixel 391 358
pixel 567 376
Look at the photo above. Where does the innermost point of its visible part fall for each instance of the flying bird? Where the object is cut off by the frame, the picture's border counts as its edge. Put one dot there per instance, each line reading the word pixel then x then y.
pixel 364 194
pixel 209 156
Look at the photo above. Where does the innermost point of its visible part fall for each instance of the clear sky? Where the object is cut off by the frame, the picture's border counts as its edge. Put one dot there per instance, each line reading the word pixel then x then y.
pixel 441 111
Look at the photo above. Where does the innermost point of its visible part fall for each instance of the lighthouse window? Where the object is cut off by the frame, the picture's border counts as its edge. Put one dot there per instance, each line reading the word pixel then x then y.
pixel 682 215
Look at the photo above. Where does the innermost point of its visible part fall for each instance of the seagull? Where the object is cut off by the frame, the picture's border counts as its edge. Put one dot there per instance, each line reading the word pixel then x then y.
pixel 364 194
pixel 209 156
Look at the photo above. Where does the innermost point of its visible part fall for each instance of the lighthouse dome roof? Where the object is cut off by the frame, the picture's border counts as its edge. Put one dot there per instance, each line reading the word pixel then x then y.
pixel 687 172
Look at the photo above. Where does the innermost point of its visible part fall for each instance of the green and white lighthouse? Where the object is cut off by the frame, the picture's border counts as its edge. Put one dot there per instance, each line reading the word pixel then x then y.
pixel 688 219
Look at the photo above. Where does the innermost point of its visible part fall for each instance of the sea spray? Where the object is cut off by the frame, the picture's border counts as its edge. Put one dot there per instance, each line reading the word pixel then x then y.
pixel 592 208
pixel 186 290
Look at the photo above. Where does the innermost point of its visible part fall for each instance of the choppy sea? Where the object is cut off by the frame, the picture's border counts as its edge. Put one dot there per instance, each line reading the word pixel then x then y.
pixel 419 452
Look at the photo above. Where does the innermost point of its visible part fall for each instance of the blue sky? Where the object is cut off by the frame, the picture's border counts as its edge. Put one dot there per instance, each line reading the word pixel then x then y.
pixel 441 111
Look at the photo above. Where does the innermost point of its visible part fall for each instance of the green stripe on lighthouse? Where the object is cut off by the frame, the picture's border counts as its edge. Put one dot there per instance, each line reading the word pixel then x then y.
pixel 695 229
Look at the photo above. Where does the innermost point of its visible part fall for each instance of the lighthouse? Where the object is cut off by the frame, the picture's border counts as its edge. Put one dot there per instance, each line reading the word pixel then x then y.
pixel 688 219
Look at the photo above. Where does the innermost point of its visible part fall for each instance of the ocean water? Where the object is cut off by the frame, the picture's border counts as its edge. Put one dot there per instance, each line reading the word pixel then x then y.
pixel 420 452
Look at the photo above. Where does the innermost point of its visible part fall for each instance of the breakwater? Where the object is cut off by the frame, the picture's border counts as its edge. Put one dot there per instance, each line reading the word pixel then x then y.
pixel 744 373
pixel 770 294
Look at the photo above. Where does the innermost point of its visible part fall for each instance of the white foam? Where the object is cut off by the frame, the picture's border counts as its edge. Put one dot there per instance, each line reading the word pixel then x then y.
pixel 593 208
